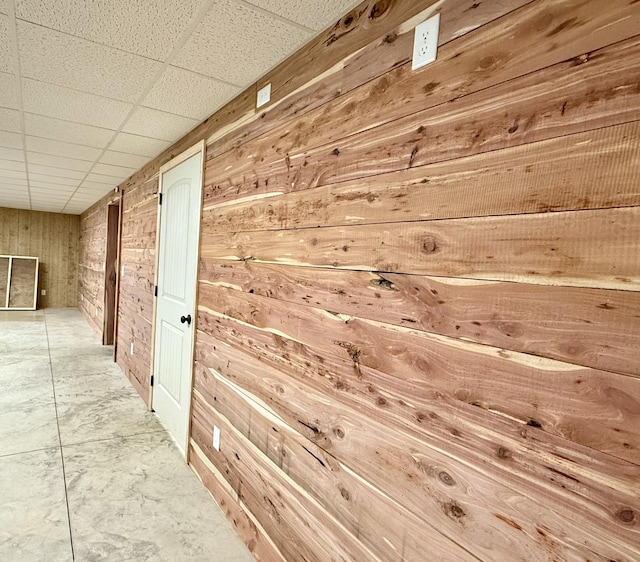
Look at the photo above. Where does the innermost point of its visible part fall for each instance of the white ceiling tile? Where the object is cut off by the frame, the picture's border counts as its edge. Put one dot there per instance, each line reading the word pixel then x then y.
pixel 157 124
pixel 17 191
pixel 12 175
pixel 12 184
pixel 47 207
pixel 310 13
pixel 41 185
pixel 51 56
pixel 58 162
pixel 217 48
pixel 11 154
pixel 48 180
pixel 117 171
pixel 56 172
pixel 10 140
pixel 109 181
pixel 188 93
pixel 70 105
pixel 150 29
pixel 36 187
pixel 8 95
pixel 48 146
pixel 12 165
pixel 6 56
pixel 88 185
pixel 9 120
pixel 122 159
pixel 49 128
pixel 139 145
pixel 50 195
pixel 11 204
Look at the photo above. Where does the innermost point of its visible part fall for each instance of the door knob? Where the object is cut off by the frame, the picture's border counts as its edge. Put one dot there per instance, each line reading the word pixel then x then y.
pixel 186 319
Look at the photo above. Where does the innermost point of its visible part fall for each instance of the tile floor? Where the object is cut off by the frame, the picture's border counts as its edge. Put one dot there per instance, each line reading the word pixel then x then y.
pixel 86 472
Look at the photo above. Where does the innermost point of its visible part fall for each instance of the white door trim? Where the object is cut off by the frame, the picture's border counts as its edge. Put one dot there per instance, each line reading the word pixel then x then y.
pixel 200 147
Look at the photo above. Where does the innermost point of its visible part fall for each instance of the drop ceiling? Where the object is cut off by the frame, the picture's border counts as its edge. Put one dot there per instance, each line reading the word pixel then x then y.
pixel 92 90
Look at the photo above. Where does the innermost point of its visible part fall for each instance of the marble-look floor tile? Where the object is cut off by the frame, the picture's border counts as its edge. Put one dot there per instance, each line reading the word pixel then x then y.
pixel 27 408
pixel 85 414
pixel 136 499
pixel 33 513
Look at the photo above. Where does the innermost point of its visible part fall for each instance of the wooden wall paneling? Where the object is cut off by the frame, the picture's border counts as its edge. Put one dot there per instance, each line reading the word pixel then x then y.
pixel 387 52
pixel 249 530
pixel 299 526
pixel 562 398
pixel 377 520
pixel 519 503
pixel 137 265
pixel 591 170
pixel 594 248
pixel 567 101
pixel 54 239
pixel 592 327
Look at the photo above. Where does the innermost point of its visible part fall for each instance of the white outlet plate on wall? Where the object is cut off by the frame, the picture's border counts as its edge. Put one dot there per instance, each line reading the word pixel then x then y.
pixel 264 95
pixel 216 437
pixel 425 43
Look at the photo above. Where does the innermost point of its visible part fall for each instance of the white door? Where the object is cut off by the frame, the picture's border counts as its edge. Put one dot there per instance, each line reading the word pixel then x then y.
pixel 179 223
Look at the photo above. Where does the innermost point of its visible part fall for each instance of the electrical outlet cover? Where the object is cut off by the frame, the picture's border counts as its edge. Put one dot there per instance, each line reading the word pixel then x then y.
pixel 264 95
pixel 425 44
pixel 216 437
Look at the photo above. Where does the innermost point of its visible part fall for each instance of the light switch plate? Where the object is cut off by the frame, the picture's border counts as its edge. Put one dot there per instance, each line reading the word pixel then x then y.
pixel 425 43
pixel 264 95
pixel 216 437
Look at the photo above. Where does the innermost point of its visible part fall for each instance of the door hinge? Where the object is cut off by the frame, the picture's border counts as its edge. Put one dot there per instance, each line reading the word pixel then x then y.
pixel 151 380
pixel 160 198
pixel 155 291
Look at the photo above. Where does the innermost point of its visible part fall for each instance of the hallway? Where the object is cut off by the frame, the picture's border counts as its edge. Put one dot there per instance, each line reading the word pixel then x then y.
pixel 86 472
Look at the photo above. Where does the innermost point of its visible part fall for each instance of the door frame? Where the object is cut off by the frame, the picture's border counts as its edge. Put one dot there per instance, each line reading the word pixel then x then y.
pixel 113 244
pixel 199 147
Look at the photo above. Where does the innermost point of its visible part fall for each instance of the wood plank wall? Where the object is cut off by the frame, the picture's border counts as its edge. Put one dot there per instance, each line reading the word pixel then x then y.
pixel 91 267
pixel 419 292
pixel 52 237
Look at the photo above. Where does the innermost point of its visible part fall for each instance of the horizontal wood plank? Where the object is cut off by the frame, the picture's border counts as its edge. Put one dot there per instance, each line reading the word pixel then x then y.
pixel 595 248
pixel 591 170
pixel 591 327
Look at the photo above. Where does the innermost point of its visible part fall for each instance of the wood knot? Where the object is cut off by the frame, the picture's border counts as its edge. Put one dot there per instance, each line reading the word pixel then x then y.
pixel 335 151
pixel 453 510
pixel 533 423
pixel 429 245
pixel 513 128
pixel 379 9
pixel 446 478
pixel 339 432
pixel 381 401
pixel 345 493
pixel 503 453
pixel 627 515
pixel 487 62
pixel 390 38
